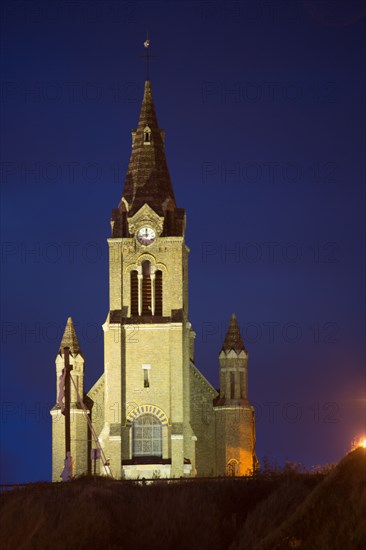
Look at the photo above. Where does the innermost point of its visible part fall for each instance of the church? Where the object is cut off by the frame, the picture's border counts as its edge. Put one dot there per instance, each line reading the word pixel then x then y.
pixel 152 414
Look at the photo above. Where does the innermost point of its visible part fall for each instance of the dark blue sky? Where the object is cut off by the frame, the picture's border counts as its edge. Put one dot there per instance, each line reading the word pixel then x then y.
pixel 263 108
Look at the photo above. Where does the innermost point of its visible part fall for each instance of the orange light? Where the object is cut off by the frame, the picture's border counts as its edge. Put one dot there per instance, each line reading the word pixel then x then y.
pixel 359 443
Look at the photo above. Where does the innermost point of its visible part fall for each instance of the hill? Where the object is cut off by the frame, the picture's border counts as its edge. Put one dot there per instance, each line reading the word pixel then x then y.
pixel 271 511
pixel 331 516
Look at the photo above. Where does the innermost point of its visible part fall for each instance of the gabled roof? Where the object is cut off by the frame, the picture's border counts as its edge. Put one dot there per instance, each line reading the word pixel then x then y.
pixel 148 180
pixel 70 339
pixel 233 339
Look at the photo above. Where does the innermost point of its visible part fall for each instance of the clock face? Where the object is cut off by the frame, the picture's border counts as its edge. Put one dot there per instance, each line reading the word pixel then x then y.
pixel 146 235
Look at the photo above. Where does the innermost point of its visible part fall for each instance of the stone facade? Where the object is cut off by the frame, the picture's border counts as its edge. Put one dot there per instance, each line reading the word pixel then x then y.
pixel 153 412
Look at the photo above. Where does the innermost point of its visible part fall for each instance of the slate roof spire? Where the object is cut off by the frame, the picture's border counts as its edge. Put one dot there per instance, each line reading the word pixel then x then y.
pixel 233 339
pixel 148 180
pixel 70 338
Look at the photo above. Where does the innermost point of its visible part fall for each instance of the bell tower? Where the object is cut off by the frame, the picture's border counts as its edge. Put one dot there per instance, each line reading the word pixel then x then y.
pixel 147 330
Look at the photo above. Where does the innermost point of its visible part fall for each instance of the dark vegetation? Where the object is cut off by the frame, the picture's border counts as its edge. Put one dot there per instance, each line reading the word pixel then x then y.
pixel 276 510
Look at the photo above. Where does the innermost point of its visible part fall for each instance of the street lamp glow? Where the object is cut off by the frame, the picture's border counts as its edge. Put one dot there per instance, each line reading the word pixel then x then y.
pixel 359 443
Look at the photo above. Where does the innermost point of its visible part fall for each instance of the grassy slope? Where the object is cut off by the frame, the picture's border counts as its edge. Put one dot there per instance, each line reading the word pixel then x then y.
pixel 280 511
pixel 332 516
pixel 107 514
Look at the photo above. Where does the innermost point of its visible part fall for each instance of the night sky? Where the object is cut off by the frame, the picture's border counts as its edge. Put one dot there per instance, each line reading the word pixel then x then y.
pixel 263 108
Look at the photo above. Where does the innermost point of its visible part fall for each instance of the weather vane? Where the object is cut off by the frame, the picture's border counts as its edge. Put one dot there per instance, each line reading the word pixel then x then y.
pixel 147 55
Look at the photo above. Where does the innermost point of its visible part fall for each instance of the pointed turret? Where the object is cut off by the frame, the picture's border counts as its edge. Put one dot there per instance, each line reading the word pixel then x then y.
pixel 70 339
pixel 233 359
pixel 148 180
pixel 233 339
pixel 78 425
pixel 234 414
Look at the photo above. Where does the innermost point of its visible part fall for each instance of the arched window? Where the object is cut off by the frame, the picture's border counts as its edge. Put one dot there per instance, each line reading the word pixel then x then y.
pixel 146 434
pixel 146 288
pixel 134 293
pixel 158 293
pixel 147 135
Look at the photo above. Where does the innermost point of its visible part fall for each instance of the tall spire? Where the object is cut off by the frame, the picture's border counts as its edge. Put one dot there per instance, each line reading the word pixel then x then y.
pixel 70 339
pixel 233 339
pixel 148 180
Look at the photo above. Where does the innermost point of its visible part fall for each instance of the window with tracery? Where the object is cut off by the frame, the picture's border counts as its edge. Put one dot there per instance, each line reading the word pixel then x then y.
pixel 146 436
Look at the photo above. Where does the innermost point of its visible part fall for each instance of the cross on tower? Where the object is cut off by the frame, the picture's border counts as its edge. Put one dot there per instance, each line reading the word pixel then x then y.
pixel 147 55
